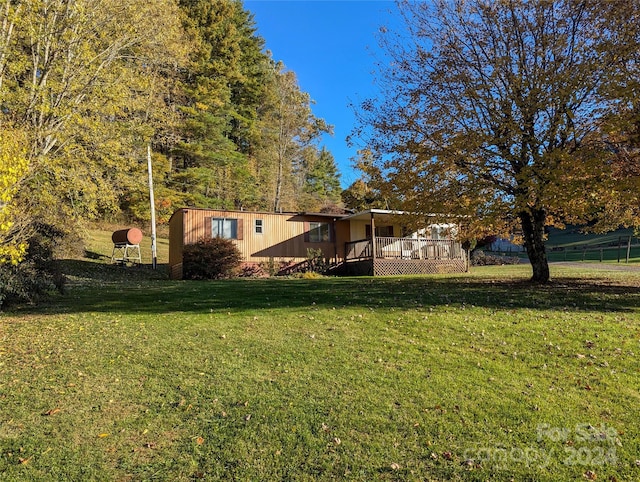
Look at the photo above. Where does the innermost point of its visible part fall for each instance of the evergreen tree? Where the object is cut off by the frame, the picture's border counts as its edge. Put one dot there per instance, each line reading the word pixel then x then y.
pixel 223 86
pixel 322 181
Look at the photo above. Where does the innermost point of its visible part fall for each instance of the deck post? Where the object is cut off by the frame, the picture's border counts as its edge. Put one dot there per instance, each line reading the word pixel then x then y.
pixel 373 238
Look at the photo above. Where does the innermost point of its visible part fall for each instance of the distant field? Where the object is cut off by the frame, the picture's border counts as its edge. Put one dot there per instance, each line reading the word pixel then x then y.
pixel 573 245
pixel 478 377
pixel 573 237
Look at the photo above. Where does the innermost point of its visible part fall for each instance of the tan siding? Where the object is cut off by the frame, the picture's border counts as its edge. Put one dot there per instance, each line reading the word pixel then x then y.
pixel 175 244
pixel 282 234
pixel 343 235
pixel 358 229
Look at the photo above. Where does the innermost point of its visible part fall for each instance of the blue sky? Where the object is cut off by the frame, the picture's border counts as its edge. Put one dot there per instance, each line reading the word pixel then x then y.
pixel 332 47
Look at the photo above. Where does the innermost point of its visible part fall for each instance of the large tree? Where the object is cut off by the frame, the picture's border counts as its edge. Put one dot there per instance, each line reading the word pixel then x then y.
pixel 290 135
pixel 496 112
pixel 81 79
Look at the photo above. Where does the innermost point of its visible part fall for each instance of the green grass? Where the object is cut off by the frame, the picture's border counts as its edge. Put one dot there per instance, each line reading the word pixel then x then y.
pixel 474 377
pixel 572 236
pixel 130 376
pixel 573 245
pixel 98 246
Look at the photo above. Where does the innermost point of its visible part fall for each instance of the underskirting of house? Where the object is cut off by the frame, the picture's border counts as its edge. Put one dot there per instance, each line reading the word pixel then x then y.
pixel 394 267
pixel 175 271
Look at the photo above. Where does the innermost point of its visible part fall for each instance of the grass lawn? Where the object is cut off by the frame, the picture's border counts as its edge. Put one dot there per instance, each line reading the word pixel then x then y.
pixel 473 377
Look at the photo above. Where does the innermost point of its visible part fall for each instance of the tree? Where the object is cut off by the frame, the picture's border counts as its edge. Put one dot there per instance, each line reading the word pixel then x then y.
pixel 360 196
pixel 494 112
pixel 322 180
pixel 223 89
pixel 291 132
pixel 13 169
pixel 76 77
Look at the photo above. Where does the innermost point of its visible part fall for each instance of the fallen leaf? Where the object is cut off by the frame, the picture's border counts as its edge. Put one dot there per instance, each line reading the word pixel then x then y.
pixel 199 440
pixel 395 466
pixel 103 435
pixel 590 475
pixel 53 411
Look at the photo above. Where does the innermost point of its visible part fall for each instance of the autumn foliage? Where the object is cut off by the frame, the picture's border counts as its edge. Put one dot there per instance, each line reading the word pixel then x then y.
pixel 510 116
pixel 13 168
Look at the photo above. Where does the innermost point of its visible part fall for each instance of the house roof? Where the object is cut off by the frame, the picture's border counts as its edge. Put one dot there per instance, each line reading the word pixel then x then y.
pixel 324 215
pixel 365 215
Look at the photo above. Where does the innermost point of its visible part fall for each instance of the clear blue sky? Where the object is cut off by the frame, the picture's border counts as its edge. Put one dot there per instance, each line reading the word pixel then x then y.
pixel 332 46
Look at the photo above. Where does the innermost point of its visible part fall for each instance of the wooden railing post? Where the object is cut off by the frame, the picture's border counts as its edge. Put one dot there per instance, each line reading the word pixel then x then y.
pixel 373 238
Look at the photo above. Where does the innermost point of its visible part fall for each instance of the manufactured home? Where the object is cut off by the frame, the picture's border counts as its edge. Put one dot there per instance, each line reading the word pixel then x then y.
pixel 372 242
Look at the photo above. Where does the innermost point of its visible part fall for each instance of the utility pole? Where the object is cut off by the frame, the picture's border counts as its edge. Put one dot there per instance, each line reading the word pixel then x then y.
pixel 154 256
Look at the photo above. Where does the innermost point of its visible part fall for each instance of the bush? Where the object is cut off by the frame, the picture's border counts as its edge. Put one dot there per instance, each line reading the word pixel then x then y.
pixel 270 267
pixel 480 258
pixel 252 270
pixel 308 275
pixel 38 273
pixel 213 258
pixel 317 261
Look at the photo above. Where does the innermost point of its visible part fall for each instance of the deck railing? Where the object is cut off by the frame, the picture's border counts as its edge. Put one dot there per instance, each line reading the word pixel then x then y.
pixel 404 248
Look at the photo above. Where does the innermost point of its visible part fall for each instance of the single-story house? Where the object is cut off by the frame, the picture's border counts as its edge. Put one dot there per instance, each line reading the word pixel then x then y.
pixel 371 242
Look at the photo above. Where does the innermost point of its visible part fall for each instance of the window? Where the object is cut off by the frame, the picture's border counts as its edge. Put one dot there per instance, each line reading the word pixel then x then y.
pixel 258 226
pixel 382 231
pixel 319 232
pixel 224 228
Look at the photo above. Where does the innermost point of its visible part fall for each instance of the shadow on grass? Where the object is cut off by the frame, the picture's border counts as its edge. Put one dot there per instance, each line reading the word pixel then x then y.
pixel 111 288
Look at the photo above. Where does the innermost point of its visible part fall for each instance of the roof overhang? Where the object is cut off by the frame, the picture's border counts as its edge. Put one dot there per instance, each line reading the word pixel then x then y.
pixel 387 215
pixel 376 213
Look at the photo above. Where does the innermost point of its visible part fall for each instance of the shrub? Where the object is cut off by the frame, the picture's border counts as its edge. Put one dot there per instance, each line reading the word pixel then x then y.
pixel 39 272
pixel 271 267
pixel 252 270
pixel 213 258
pixel 317 262
pixel 480 258
pixel 308 275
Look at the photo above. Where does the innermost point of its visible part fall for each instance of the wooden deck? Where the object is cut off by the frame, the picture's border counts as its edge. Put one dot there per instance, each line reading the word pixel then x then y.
pixel 398 256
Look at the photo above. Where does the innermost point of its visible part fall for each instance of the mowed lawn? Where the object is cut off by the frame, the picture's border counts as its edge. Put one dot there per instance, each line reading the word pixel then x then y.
pixel 469 377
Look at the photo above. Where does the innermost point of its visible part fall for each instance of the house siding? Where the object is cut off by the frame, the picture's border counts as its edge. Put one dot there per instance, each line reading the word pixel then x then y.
pixel 176 244
pixel 282 237
pixel 285 238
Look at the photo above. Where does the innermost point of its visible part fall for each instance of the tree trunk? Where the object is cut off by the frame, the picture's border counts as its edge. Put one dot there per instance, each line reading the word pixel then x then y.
pixel 277 199
pixel 533 229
